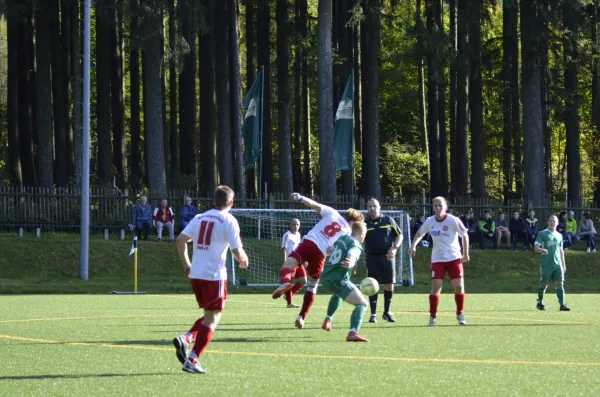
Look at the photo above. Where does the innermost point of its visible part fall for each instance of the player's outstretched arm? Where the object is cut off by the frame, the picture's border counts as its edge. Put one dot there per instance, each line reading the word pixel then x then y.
pixel 465 248
pixel 413 247
pixel 240 255
pixel 562 259
pixel 182 240
pixel 306 201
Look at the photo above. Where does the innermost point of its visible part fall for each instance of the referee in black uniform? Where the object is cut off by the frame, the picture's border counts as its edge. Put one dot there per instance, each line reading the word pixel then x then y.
pixel 381 243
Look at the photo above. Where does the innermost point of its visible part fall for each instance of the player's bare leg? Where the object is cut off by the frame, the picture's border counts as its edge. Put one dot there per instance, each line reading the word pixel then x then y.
pixel 459 297
pixel 204 336
pixel 285 277
pixel 434 300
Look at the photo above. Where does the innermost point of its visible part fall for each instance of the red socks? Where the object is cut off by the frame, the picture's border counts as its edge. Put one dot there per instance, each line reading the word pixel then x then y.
pixel 285 275
pixel 203 338
pixel 196 327
pixel 309 299
pixel 434 301
pixel 288 295
pixel 460 302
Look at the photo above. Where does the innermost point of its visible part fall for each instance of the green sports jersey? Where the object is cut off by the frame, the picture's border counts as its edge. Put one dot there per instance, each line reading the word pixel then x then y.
pixel 551 241
pixel 333 270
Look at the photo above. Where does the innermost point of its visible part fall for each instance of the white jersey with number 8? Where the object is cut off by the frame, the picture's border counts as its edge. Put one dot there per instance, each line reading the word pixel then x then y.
pixel 331 226
pixel 212 233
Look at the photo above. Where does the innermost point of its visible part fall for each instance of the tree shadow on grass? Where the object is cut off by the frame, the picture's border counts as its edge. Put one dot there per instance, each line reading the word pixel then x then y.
pixel 81 376
pixel 490 325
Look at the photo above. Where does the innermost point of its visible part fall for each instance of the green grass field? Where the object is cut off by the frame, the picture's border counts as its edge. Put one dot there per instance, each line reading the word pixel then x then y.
pixel 121 345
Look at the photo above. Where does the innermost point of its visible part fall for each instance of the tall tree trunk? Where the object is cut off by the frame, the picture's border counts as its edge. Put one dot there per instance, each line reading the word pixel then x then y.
pixel 546 82
pixel 31 79
pixel 475 101
pixel 370 92
pixel 531 29
pixel 236 101
pixel 153 111
pixel 306 135
pixel 357 95
pixel 441 66
pixel 571 12
pixel 12 119
pixel 264 59
pixel 45 144
pixel 25 97
pixel 250 76
pixel 65 37
pixel 421 79
pixel 225 161
pixel 433 124
pixel 453 93
pixel 134 89
pixel 296 153
pixel 116 85
pixel 208 149
pixel 596 99
pixel 103 103
pixel 177 153
pixel 461 147
pixel 515 93
pixel 76 84
pixel 283 94
pixel 325 83
pixel 345 44
pixel 507 147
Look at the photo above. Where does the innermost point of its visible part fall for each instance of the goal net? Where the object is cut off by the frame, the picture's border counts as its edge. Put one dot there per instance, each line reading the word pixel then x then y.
pixel 263 229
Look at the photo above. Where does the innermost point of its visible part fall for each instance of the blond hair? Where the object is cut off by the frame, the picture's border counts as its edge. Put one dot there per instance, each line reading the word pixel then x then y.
pixel 441 200
pixel 358 228
pixel 353 215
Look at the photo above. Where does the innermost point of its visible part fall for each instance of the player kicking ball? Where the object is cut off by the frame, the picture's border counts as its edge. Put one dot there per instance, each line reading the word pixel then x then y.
pixel 211 234
pixel 549 243
pixel 336 278
pixel 313 250
pixel 446 256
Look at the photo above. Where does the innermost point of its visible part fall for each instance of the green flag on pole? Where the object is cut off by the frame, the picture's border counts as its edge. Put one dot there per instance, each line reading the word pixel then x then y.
pixel 343 139
pixel 253 105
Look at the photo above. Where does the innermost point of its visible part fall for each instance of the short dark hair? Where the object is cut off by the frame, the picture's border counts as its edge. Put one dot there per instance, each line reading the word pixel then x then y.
pixel 223 196
pixel 586 215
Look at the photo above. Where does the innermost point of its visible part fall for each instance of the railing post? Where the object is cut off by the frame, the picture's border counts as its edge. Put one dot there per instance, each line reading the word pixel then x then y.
pixel 38 232
pixel 122 236
pixel 20 232
pixel 106 234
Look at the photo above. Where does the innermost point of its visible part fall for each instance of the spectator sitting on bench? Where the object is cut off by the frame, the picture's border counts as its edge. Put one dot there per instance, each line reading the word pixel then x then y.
pixel 471 226
pixel 531 223
pixel 502 230
pixel 517 230
pixel 142 216
pixel 588 232
pixel 571 228
pixel 164 217
pixel 416 225
pixel 485 229
pixel 187 212
pixel 562 229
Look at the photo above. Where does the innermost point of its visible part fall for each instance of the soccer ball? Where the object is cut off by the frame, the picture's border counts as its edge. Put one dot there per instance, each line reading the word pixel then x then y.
pixel 369 286
pixel 425 243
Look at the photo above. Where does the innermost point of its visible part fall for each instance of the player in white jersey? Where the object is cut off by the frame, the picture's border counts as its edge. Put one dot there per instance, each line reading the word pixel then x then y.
pixel 313 250
pixel 289 242
pixel 211 233
pixel 445 229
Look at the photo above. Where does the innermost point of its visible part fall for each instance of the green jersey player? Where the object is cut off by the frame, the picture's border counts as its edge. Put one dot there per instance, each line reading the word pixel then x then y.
pixel 549 243
pixel 336 278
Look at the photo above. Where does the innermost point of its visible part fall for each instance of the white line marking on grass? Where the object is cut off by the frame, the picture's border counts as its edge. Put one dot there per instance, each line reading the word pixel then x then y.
pixel 316 356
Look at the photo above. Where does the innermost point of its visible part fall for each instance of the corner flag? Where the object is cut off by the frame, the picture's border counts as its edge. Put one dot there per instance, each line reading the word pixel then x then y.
pixel 343 138
pixel 253 105
pixel 133 246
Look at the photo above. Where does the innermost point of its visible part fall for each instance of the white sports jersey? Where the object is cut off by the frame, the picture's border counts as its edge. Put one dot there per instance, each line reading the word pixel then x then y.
pixel 329 229
pixel 290 241
pixel 445 237
pixel 212 233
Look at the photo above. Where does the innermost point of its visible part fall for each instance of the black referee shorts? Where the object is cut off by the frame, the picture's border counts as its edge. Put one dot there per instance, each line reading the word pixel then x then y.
pixel 380 268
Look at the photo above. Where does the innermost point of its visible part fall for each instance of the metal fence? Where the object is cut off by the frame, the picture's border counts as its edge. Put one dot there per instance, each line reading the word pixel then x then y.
pixel 58 208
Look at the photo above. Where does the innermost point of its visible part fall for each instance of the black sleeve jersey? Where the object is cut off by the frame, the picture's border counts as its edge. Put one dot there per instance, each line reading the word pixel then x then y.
pixel 381 233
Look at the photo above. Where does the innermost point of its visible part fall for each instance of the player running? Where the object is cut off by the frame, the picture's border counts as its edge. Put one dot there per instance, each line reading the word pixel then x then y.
pixel 212 233
pixel 549 243
pixel 336 278
pixel 445 229
pixel 289 242
pixel 313 250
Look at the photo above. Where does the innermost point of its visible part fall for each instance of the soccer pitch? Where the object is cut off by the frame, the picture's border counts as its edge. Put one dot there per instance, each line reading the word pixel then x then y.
pixel 121 345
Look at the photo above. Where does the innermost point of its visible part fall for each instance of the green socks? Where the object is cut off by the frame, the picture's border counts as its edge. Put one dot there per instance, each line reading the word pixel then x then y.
pixel 541 293
pixel 357 317
pixel 560 292
pixel 334 304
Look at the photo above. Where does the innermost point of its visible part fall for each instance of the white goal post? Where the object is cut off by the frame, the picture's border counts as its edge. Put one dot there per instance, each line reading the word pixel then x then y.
pixel 262 229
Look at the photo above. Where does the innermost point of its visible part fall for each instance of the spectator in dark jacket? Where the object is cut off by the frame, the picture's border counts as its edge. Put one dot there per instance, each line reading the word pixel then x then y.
pixel 142 218
pixel 417 224
pixel 187 212
pixel 531 227
pixel 485 229
pixel 588 232
pixel 517 230
pixel 562 229
pixel 471 226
